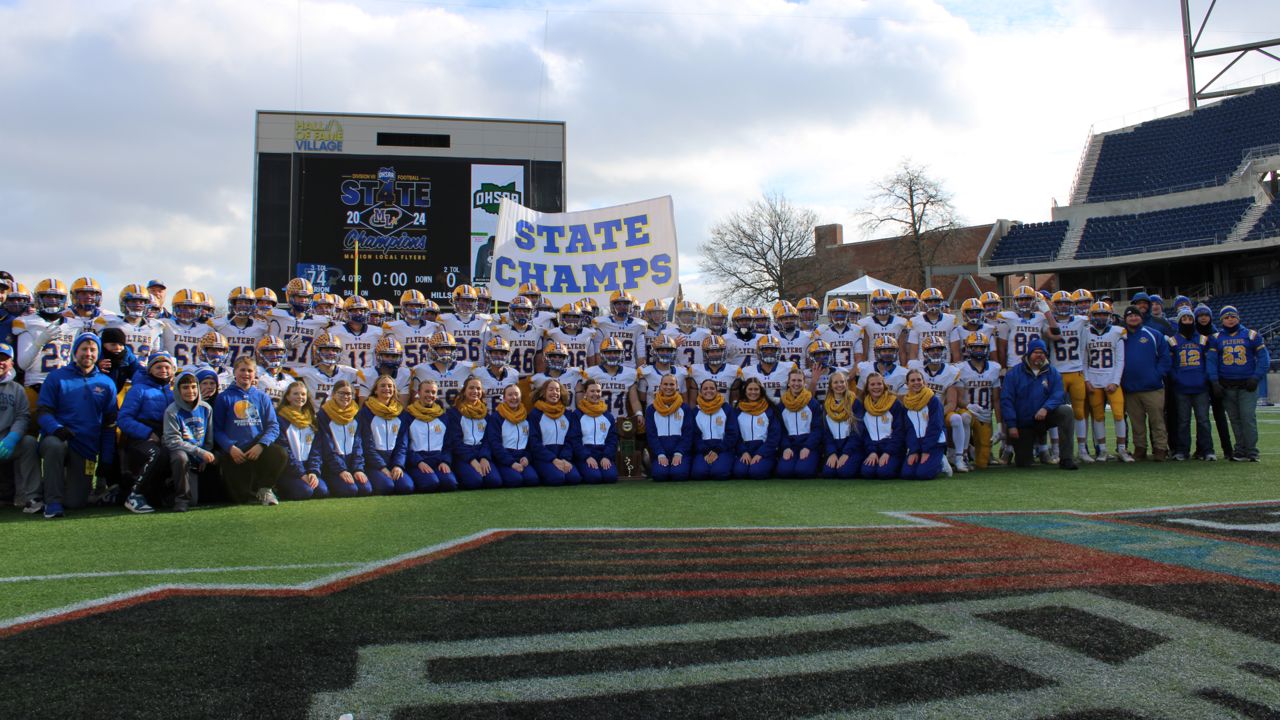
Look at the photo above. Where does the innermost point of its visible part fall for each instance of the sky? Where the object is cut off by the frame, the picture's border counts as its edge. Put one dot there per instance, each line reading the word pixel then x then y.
pixel 712 103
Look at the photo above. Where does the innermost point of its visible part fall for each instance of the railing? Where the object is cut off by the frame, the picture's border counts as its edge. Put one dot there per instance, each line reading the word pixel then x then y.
pixel 1075 184
pixel 1260 151
pixel 1095 253
pixel 1024 259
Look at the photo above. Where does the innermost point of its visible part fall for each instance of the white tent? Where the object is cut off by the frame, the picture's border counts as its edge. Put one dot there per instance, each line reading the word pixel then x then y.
pixel 861 287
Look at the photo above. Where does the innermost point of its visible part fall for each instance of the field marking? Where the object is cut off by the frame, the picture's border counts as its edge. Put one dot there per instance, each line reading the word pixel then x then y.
pixel 174 571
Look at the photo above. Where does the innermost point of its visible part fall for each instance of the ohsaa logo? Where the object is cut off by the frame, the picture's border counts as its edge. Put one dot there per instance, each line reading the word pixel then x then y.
pixel 490 195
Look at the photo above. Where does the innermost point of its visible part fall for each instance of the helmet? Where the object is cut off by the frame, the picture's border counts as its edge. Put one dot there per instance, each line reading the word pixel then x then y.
pixel 886 347
pixel 326 349
pixel 484 299
pixel 611 352
pixel 743 317
pixel 686 314
pixel 324 304
pixel 443 347
pixel 621 302
pixel 530 290
pixel 654 312
pixel 932 299
pixel 432 311
pixel 783 309
pixel 908 301
pixel 389 354
pixel 412 305
pixel 134 299
pixel 379 311
pixel 206 307
pixel 556 355
pixel 589 307
pixel 808 309
pixel 266 295
pixel 1083 300
pixel 186 305
pixel 357 309
pixel 497 350
pixel 664 349
pixel 241 302
pixel 977 345
pixel 761 321
pixel 465 299
pixel 271 352
pixel 935 349
pixel 51 296
pixel 1100 315
pixel 86 293
pixel 1062 304
pixel 820 352
pixel 18 300
pixel 520 310
pixel 881 303
pixel 212 348
pixel 717 318
pixel 838 311
pixel 990 301
pixel 1024 299
pixel 570 316
pixel 767 342
pixel 298 293
pixel 713 349
pixel 544 304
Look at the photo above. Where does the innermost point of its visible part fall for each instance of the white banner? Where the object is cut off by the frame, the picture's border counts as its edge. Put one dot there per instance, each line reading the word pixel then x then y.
pixel 591 253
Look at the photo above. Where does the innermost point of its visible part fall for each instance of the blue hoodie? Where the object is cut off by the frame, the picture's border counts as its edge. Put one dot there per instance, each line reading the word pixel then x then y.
pixel 82 402
pixel 1146 360
pixel 143 410
pixel 244 418
pixel 1242 354
pixel 1025 392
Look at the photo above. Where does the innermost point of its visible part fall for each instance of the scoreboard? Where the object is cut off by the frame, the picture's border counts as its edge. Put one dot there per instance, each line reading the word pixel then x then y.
pixel 389 203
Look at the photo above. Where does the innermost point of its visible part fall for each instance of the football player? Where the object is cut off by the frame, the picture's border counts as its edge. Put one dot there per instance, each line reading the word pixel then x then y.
pixel 820 368
pixel 413 330
pixel 972 320
pixel 211 354
pixel 741 343
pixel 882 323
pixel 655 320
pixel 808 311
pixel 687 335
pixel 86 313
pixel 1103 368
pixel 943 379
pixel 627 330
pixel 239 327
pixel 1019 326
pixel 844 338
pixel 992 305
pixel 662 356
pixel 1083 300
pixel 770 368
pixel 556 358
pixel 44 338
pixel 523 338
pixel 1067 355
pixel 718 320
pixel 570 333
pixel 980 379
pixel 465 325
pixel 272 378
pixel 908 302
pixel 358 335
pixel 266 301
pixel 714 367
pixel 296 324
pixel 496 373
pixel 793 341
pixel 443 367
pixel 886 353
pixel 484 303
pixel 933 322
pixel 183 330
pixel 326 370
pixel 617 381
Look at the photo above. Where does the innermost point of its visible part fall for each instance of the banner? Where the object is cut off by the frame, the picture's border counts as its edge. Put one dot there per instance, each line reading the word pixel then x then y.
pixel 489 184
pixel 591 253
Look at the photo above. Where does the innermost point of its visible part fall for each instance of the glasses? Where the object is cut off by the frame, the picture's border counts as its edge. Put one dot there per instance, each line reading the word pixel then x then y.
pixel 344 393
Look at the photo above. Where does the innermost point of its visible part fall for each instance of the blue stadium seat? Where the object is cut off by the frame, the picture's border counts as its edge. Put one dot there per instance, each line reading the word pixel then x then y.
pixel 1198 149
pixel 1184 227
pixel 1268 225
pixel 1034 242
pixel 1258 309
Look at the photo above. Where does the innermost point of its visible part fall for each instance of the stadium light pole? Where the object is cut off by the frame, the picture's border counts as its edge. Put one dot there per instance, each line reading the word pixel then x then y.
pixel 1192 53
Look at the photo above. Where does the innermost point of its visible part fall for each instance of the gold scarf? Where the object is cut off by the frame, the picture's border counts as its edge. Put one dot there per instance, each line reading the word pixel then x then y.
pixel 881 406
pixel 753 408
pixel 472 410
pixel 425 413
pixel 838 409
pixel 337 414
pixel 796 403
pixel 551 410
pixel 711 407
pixel 917 400
pixel 515 417
pixel 591 409
pixel 667 405
pixel 300 418
pixel 386 411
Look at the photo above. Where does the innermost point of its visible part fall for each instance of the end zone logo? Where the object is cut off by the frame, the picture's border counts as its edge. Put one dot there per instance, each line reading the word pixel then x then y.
pixel 490 195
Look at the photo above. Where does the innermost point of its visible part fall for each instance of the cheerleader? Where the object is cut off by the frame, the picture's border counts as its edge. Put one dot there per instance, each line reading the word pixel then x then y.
pixel 552 436
pixel 301 477
pixel 509 440
pixel 341 451
pixel 715 435
pixel 424 446
pixel 883 428
pixel 758 431
pixel 841 439
pixel 380 423
pixel 597 451
pixel 468 419
pixel 801 433
pixel 926 440
pixel 668 430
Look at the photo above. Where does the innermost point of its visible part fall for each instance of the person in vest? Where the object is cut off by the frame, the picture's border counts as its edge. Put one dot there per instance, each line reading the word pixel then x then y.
pixel 553 436
pixel 883 427
pixel 926 440
pixel 759 433
pixel 341 452
pixel 300 479
pixel 472 453
pixel 1189 379
pixel 380 421
pixel 715 435
pixel 188 436
pixel 424 446
pixel 841 437
pixel 669 431
pixel 597 453
pixel 801 437
pixel 509 440
pixel 1242 364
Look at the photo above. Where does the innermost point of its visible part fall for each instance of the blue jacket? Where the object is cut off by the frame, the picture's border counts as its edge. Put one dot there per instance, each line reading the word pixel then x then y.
pixel 334 460
pixel 127 370
pixel 499 453
pixel 460 450
pixel 852 444
pixel 405 457
pixel 895 444
pixel 671 443
pixel 811 439
pixel 931 438
pixel 243 418
pixel 1024 393
pixel 766 448
pixel 1189 364
pixel 143 410
pixel 543 449
pixel 597 451
pixel 309 465
pixel 727 443
pixel 1242 354
pixel 1146 360
pixel 84 403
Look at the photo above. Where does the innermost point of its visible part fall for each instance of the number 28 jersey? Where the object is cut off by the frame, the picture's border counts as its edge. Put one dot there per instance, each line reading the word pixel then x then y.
pixel 1104 358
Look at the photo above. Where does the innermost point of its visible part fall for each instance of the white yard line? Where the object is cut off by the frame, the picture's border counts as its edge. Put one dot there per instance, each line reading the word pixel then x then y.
pixel 174 571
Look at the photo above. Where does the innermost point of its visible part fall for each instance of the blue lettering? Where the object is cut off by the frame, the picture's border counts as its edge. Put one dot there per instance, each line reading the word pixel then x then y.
pixel 597 278
pixel 634 268
pixel 607 228
pixel 502 266
pixel 564 282
pixel 579 240
pixel 552 233
pixel 350 192
pixel 637 230
pixel 534 273
pixel 660 265
pixel 524 235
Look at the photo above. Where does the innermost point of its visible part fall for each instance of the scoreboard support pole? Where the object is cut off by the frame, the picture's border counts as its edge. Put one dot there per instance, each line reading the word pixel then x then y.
pixel 356 280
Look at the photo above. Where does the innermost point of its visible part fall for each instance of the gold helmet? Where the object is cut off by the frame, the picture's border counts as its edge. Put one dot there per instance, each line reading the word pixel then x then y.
pixel 271 352
pixel 977 345
pixel 241 302
pixel 413 305
pixel 86 293
pixel 907 301
pixel 881 303
pixel 1062 304
pixel 1024 298
pixel 655 313
pixel 298 294
pixel 443 347
pixel 611 352
pixel 713 344
pixel 465 299
pixel 134 299
pixel 51 296
pixel 991 301
pixel 971 310
pixel 212 348
pixel 932 299
pixel 717 317
pixel 326 349
pixel 357 309
pixel 388 354
pixel 934 349
pixel 886 348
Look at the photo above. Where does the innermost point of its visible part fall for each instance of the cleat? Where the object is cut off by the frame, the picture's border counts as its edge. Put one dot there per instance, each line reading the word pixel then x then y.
pixel 946 467
pixel 53 510
pixel 267 496
pixel 137 503
pixel 1210 457
pixel 32 507
pixel 1123 454
pixel 961 465
pixel 1084 457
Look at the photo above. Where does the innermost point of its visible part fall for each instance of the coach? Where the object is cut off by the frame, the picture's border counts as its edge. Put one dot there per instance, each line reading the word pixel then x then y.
pixel 1032 400
pixel 1146 362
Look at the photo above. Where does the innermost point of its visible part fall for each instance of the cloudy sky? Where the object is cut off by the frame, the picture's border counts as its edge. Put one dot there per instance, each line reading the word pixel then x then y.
pixel 106 103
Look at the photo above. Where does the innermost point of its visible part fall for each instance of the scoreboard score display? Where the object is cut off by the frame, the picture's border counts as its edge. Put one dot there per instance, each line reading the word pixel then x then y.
pixel 391 203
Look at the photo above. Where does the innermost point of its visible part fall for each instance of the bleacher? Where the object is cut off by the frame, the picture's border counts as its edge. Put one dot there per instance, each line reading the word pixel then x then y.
pixel 1259 310
pixel 1031 242
pixel 1199 149
pixel 1176 228
pixel 1268 225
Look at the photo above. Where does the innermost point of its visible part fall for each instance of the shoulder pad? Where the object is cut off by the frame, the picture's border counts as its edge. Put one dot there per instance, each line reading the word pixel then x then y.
pixel 1253 334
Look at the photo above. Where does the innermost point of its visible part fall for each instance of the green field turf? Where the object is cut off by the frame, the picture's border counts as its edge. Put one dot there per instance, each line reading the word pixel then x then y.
pixel 257 545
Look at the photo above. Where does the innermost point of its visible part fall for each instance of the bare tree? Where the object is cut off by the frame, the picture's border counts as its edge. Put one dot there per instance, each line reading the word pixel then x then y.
pixel 747 250
pixel 913 205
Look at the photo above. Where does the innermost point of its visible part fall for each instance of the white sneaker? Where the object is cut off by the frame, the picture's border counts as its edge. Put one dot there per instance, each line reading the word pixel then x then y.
pixel 961 465
pixel 1211 458
pixel 946 467
pixel 1123 454
pixel 1006 455
pixel 1102 455
pixel 1046 458
pixel 1082 455
pixel 32 507
pixel 267 496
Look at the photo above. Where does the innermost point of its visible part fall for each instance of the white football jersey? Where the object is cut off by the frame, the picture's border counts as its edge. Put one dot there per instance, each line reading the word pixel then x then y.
pixel 960 332
pixel 923 327
pixel 414 339
pixel 320 384
pixel 357 347
pixel 1067 354
pixel 740 352
pixel 240 340
pixel 1018 332
pixel 495 385
pixel 872 329
pixel 724 377
pixel 569 380
pixel 846 345
pixel 941 380
pixel 688 345
pixel 298 334
pixel 630 333
pixel 795 349
pixel 469 334
pixel 273 385
pixel 978 382
pixel 895 379
pixel 449 380
pixel 614 387
pixel 181 339
pixel 773 381
pixel 1104 356
pixel 94 323
pixel 142 338
pixel 650 376
pixel 580 345
pixel 41 347
pixel 525 345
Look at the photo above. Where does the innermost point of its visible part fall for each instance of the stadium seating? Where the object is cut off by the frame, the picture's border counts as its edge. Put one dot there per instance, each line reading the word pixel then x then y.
pixel 1191 226
pixel 1258 310
pixel 1199 149
pixel 1268 225
pixel 1034 242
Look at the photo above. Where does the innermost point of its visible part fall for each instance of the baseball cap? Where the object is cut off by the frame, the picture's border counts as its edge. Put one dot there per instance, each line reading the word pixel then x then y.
pixel 156 283
pixel 6 349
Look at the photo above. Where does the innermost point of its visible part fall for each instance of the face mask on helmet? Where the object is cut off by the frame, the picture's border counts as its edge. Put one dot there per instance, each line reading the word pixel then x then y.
pixel 769 356
pixel 935 355
pixel 1024 304
pixel 570 321
pixel 273 358
pixel 265 307
pixel 215 356
pixel 376 318
pixel 655 316
pixel 326 309
pixel 51 303
pixel 87 299
pixel 977 352
pixel 933 305
pixel 413 311
pixel 1063 308
pixel 789 322
pixel 464 306
pixel 664 355
pixel 186 313
pixel 974 315
pixel 822 358
pixel 760 325
pixel 16 304
pixel 714 356
pixel 135 308
pixel 430 314
pixel 686 319
pixel 907 307
pixel 717 323
pixel 521 314
pixel 882 308
pixel 327 355
pixel 204 313
pixel 743 324
pixel 557 362
pixel 484 305
pixel 620 308
pixel 808 315
pixel 300 302
pixel 497 358
pixel 887 354
pixel 839 318
pixel 358 317
pixel 611 358
pixel 389 362
pixel 1100 320
pixel 242 308
pixel 444 353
